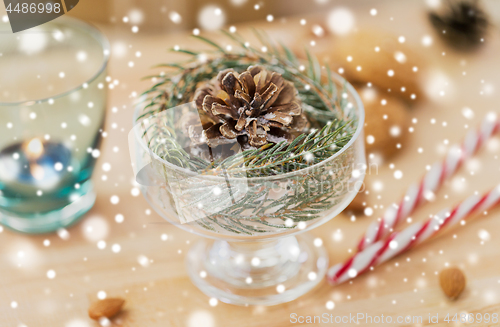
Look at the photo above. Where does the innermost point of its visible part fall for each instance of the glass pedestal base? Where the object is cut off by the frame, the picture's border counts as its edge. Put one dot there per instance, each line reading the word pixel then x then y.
pixel 257 273
pixel 46 222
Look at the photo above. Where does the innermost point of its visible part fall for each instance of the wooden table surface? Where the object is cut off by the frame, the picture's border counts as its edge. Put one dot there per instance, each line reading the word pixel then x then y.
pixel 143 257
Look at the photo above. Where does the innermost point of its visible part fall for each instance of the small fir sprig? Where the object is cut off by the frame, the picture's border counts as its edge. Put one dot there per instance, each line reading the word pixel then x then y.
pixel 321 101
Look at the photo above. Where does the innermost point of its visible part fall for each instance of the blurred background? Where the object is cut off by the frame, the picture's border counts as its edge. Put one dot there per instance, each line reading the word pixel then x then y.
pixel 421 91
pixel 173 15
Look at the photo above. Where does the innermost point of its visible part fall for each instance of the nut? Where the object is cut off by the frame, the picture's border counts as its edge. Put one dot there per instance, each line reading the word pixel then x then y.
pixel 452 281
pixel 358 204
pixel 105 308
pixel 386 122
pixel 378 58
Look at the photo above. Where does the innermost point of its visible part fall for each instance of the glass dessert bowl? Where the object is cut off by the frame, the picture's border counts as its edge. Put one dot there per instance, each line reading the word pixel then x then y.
pixel 255 250
pixel 52 111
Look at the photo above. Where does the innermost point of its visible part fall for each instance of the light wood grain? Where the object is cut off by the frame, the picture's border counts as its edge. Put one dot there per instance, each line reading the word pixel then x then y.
pixel 161 294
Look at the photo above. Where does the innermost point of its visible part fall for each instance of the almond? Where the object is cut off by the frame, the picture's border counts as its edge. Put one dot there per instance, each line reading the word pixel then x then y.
pixel 359 202
pixel 386 122
pixel 452 281
pixel 374 56
pixel 105 308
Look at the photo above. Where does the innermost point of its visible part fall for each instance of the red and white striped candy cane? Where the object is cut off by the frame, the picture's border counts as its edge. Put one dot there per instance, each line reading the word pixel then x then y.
pixel 399 242
pixel 417 194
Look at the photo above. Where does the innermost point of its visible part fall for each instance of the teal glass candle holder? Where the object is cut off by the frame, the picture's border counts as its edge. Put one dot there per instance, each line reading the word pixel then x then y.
pixel 52 109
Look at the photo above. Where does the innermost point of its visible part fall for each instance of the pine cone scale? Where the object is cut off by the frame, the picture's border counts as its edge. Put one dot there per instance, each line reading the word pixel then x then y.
pixel 248 84
pixel 207 106
pixel 257 138
pixel 242 122
pixel 230 84
pixel 279 117
pixel 244 97
pixel 213 136
pixel 228 131
pixel 223 110
pixel 292 108
pixel 287 95
pixel 268 95
pixel 260 81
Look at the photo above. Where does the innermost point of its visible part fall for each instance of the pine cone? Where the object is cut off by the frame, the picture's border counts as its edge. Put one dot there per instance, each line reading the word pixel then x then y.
pixel 253 108
pixel 462 25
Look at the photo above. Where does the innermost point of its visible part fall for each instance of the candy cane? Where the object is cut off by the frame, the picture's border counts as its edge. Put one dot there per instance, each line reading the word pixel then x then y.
pixel 417 194
pixel 399 242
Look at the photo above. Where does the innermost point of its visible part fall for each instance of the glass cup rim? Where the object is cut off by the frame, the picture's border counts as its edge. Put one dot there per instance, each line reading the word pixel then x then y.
pixel 359 129
pixel 92 31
